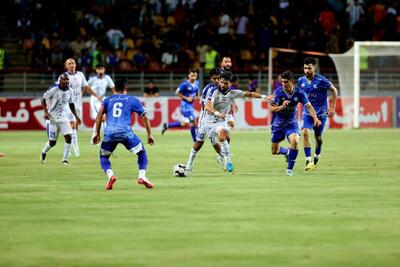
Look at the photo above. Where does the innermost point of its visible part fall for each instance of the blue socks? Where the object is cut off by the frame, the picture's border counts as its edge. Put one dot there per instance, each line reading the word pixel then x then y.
pixel 105 163
pixel 174 124
pixel 193 133
pixel 307 151
pixel 292 158
pixel 283 150
pixel 318 150
pixel 142 160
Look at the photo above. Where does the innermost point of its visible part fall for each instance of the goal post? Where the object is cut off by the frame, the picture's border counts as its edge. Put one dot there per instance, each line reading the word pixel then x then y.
pixel 369 67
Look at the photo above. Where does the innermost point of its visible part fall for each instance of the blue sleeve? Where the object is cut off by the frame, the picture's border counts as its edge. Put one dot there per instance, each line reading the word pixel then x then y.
pixel 137 107
pixel 303 97
pixel 277 97
pixel 211 93
pixel 181 87
pixel 325 83
pixel 105 104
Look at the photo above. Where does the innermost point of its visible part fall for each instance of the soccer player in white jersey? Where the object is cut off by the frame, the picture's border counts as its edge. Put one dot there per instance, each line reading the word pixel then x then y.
pixel 99 84
pixel 226 65
pixel 217 107
pixel 55 103
pixel 201 125
pixel 77 83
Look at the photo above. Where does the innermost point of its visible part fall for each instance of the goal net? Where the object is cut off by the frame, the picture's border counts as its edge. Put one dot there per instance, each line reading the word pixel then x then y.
pixel 368 68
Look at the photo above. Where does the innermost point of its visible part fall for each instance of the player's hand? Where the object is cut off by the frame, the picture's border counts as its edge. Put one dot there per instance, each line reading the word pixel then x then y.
pixel 150 140
pixel 231 124
pixel 78 121
pixel 331 112
pixel 270 98
pixel 285 103
pixel 96 139
pixel 189 99
pixel 317 122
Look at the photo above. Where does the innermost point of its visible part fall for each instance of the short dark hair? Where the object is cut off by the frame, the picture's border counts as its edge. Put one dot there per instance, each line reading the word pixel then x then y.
pixel 288 75
pixel 120 84
pixel 310 60
pixel 193 70
pixel 214 71
pixel 100 65
pixel 226 75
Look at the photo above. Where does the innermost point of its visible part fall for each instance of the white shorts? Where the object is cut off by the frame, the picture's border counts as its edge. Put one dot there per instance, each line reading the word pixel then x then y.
pixel 213 130
pixel 55 128
pixel 94 107
pixel 71 116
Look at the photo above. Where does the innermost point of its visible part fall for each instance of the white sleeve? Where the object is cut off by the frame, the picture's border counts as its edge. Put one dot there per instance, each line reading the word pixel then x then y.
pixel 91 81
pixel 49 93
pixel 84 81
pixel 237 94
pixel 110 82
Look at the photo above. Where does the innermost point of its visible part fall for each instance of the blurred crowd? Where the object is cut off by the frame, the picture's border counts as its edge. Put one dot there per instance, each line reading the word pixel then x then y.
pixel 177 34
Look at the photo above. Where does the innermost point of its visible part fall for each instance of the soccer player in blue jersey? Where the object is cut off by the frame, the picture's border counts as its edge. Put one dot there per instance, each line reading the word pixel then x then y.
pixel 201 126
pixel 118 109
pixel 187 91
pixel 284 123
pixel 316 87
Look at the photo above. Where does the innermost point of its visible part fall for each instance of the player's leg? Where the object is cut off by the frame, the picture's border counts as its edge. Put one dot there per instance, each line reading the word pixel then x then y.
pixel 231 124
pixel 135 145
pixel 318 131
pixel 106 149
pixel 52 134
pixel 308 122
pixel 66 130
pixel 276 149
pixel 94 109
pixel 74 135
pixel 191 118
pixel 222 132
pixel 293 137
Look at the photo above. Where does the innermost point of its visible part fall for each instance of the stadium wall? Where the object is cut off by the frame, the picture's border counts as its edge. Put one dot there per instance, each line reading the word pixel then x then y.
pixel 375 112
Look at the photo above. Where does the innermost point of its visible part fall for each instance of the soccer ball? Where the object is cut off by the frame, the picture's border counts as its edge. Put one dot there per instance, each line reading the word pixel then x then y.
pixel 180 170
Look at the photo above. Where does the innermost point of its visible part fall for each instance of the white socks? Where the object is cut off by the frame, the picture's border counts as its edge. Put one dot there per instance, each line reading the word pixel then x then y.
pixel 109 173
pixel 225 151
pixel 192 156
pixel 46 148
pixel 75 145
pixel 142 174
pixel 67 149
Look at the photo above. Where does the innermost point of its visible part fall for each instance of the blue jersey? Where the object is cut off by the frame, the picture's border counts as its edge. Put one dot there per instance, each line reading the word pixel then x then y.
pixel 317 93
pixel 287 116
pixel 119 109
pixel 190 90
pixel 206 93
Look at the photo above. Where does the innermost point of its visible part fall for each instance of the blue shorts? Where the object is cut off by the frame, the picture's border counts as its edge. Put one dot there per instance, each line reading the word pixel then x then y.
pixel 279 134
pixel 128 139
pixel 188 115
pixel 308 123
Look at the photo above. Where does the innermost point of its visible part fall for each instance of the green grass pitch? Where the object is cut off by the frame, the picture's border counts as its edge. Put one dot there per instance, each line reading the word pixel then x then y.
pixel 345 213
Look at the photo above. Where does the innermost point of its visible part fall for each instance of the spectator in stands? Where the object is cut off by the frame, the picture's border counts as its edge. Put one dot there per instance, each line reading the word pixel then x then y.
pixel 151 90
pixel 252 84
pixel 3 63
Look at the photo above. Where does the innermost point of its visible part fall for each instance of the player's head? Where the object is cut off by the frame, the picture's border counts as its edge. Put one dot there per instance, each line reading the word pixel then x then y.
pixel 309 66
pixel 100 70
pixel 64 81
pixel 121 85
pixel 226 63
pixel 287 79
pixel 70 65
pixel 215 74
pixel 225 80
pixel 192 74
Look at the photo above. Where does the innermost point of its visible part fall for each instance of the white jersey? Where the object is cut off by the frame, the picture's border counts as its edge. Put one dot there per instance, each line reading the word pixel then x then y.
pixel 77 82
pixel 57 101
pixel 222 103
pixel 99 85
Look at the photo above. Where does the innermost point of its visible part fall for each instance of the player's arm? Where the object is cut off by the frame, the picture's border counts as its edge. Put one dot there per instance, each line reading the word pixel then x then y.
pixel 210 108
pixel 258 95
pixel 310 108
pixel 150 139
pixel 181 96
pixel 73 110
pixel 332 108
pixel 99 120
pixel 46 96
pixel 89 90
